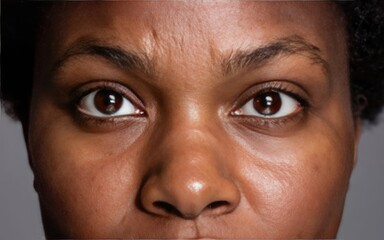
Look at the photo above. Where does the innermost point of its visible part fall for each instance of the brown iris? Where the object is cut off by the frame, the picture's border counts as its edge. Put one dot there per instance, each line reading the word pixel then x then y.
pixel 107 101
pixel 267 103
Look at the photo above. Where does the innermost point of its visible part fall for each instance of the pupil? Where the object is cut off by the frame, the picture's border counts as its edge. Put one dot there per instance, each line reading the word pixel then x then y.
pixel 267 103
pixel 107 101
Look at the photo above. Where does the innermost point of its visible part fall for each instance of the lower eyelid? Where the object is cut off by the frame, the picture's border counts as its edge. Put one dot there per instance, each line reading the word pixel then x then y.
pixel 270 125
pixel 102 125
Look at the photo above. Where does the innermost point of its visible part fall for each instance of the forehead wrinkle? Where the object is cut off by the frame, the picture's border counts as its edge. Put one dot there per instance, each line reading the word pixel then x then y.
pixel 241 60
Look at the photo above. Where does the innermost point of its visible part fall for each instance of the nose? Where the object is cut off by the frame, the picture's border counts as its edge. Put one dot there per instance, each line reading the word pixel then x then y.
pixel 190 178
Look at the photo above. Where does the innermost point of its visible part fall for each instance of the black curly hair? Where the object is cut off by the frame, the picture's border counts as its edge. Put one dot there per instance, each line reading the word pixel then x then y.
pixel 364 23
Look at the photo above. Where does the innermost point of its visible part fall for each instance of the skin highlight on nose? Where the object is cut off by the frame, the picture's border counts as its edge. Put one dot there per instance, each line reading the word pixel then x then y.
pixel 195 186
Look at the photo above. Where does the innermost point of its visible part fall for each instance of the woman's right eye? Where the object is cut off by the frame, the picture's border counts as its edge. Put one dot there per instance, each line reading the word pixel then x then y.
pixel 104 103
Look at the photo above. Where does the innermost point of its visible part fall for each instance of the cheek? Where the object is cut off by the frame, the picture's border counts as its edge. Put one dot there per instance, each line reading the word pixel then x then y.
pixel 82 177
pixel 289 181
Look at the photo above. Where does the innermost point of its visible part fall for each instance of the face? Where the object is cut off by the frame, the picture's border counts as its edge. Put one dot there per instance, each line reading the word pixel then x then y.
pixel 191 120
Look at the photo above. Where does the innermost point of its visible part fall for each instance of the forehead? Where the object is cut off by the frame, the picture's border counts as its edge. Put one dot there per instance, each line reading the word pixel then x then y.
pixel 180 28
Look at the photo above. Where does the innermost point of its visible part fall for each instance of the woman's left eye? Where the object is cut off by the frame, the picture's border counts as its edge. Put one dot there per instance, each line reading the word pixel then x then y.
pixel 270 104
pixel 106 103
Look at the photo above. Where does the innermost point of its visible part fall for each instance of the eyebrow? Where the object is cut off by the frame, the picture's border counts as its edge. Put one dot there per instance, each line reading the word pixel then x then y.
pixel 127 60
pixel 237 61
pixel 295 45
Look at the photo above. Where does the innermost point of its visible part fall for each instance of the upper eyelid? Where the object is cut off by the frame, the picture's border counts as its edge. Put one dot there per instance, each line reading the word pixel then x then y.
pixel 89 87
pixel 290 88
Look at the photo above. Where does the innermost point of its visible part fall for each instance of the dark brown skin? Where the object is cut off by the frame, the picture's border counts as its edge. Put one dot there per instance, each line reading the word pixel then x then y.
pixel 188 139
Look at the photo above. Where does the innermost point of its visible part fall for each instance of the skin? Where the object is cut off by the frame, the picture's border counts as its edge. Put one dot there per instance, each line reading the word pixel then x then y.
pixel 192 164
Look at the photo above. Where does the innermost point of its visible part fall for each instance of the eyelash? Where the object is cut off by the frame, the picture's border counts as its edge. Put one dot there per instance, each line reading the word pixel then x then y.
pixel 79 94
pixel 255 122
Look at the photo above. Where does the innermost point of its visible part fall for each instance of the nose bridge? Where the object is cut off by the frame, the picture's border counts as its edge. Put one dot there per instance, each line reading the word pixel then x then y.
pixel 190 152
pixel 189 125
pixel 191 139
pixel 191 173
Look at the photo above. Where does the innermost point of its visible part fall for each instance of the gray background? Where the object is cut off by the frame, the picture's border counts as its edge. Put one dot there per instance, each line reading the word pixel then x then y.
pixel 19 209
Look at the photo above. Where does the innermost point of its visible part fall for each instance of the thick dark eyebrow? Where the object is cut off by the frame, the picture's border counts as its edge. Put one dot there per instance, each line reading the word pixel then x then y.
pixel 242 60
pixel 236 62
pixel 126 60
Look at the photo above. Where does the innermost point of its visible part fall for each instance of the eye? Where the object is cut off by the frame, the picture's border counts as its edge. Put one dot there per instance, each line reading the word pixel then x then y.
pixel 107 103
pixel 270 104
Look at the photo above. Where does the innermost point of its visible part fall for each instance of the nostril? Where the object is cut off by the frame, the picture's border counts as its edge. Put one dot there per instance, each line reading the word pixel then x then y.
pixel 167 207
pixel 217 204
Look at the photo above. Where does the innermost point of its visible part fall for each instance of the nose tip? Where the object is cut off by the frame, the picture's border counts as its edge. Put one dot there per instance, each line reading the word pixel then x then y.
pixel 190 199
pixel 190 174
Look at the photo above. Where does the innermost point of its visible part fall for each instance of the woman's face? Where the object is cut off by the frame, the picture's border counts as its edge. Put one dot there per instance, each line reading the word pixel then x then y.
pixel 192 119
